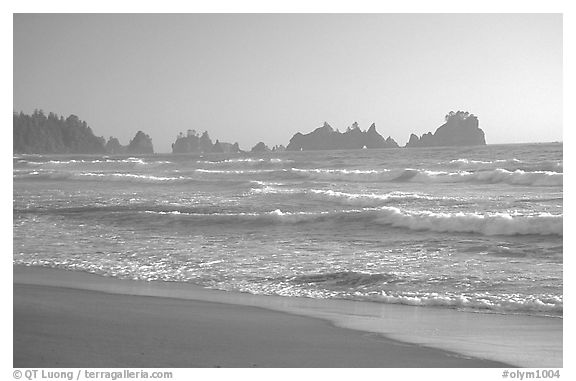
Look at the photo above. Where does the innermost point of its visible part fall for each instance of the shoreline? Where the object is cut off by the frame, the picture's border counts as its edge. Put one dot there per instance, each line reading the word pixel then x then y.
pixel 434 337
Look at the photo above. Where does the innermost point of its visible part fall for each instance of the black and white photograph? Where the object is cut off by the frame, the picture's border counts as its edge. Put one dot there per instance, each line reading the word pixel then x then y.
pixel 287 190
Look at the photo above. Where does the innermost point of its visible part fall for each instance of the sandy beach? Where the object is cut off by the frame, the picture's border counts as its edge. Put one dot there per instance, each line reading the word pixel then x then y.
pixel 56 326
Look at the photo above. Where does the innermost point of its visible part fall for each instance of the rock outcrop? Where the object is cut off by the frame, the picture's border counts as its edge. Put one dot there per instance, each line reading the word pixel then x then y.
pixel 114 147
pixel 260 147
pixel 326 138
pixel 141 144
pixel 461 129
pixel 278 148
pixel 192 142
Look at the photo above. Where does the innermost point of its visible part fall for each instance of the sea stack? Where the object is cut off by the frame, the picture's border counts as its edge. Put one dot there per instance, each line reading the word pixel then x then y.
pixel 141 144
pixel 260 147
pixel 461 129
pixel 193 142
pixel 326 138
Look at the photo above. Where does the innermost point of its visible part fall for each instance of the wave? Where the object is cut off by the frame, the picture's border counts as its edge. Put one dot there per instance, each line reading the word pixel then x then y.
pixel 131 177
pixel 518 177
pixel 345 279
pixel 484 224
pixel 235 172
pixel 508 164
pixel 104 162
pixel 114 210
pixel 120 177
pixel 344 198
pixel 488 224
pixel 548 305
pixel 246 161
pixel 365 285
pixel 347 174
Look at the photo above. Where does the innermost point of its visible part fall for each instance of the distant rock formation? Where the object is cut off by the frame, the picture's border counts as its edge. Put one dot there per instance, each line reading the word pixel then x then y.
pixel 193 142
pixel 141 144
pixel 229 147
pixel 326 138
pixel 114 147
pixel 260 147
pixel 461 129
pixel 278 148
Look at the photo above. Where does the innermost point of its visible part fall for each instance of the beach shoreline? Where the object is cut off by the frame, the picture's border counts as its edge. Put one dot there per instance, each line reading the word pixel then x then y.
pixel 40 293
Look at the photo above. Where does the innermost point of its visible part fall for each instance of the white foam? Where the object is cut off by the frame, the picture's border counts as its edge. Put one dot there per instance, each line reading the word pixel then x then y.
pixel 345 174
pixel 108 161
pixel 547 304
pixel 509 164
pixel 486 224
pixel 234 172
pixel 367 199
pixel 246 161
pixel 344 198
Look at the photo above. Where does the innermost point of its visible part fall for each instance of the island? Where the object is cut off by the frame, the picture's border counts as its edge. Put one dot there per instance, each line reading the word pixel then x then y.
pixel 461 129
pixel 141 144
pixel 52 134
pixel 260 147
pixel 45 134
pixel 326 138
pixel 193 142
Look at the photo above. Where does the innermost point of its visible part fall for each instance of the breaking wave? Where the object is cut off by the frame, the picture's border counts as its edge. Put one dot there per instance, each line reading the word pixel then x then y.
pixel 508 164
pixel 484 224
pixel 246 162
pixel 129 177
pixel 517 177
pixel 131 161
pixel 548 305
pixel 122 178
pixel 353 199
pixel 376 287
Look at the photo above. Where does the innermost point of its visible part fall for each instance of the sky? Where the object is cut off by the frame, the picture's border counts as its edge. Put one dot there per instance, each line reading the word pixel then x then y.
pixel 263 77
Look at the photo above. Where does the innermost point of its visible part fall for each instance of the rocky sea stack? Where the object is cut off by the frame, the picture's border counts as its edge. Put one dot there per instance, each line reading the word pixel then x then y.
pixel 193 142
pixel 461 129
pixel 141 144
pixel 326 138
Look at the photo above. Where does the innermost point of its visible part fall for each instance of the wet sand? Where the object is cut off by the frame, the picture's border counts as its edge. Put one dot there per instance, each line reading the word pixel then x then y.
pixel 58 326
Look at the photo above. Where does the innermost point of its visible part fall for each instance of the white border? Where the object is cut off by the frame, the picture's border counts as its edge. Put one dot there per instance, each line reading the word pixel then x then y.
pixel 300 6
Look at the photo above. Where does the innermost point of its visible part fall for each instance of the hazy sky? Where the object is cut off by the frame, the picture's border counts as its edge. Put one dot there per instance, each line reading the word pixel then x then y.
pixel 264 77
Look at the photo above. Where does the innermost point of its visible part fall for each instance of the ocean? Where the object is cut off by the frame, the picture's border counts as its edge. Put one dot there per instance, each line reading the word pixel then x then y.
pixel 475 229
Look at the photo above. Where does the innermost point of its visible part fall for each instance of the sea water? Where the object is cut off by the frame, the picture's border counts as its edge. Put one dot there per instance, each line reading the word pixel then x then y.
pixel 473 228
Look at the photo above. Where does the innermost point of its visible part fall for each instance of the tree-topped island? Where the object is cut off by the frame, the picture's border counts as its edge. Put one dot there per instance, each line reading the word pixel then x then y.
pixel 461 129
pixel 194 142
pixel 40 133
pixel 141 144
pixel 52 134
